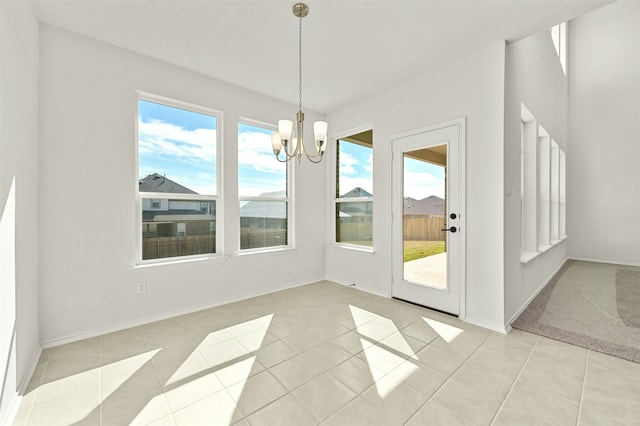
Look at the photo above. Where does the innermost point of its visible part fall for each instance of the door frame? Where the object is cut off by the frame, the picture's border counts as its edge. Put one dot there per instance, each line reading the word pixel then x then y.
pixel 461 123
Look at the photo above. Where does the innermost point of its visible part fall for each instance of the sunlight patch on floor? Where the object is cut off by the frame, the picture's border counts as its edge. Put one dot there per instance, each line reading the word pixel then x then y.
pixel 390 348
pixel 447 332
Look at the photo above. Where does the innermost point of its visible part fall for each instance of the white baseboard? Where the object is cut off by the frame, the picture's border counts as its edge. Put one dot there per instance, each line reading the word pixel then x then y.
pixel 359 287
pixel 610 262
pixel 493 327
pixel 535 293
pixel 166 315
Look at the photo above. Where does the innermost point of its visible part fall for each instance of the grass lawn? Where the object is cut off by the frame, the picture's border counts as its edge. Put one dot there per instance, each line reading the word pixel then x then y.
pixel 419 249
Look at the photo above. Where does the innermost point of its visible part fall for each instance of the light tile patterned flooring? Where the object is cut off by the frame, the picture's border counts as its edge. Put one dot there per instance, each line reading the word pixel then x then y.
pixel 326 354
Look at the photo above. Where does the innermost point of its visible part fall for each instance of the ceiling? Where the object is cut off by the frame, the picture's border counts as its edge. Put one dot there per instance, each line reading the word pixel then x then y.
pixel 351 48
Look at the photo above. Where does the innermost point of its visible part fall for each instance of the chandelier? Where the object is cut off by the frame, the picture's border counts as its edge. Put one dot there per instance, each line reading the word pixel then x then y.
pixel 290 139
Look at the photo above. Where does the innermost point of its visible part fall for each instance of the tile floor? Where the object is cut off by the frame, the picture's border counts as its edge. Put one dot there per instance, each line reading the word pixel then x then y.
pixel 326 354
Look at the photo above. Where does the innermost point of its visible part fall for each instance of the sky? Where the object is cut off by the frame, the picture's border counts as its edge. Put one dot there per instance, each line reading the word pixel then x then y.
pixel 181 145
pixel 421 179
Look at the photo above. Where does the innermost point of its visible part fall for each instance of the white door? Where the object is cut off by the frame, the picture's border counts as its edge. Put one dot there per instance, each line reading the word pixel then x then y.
pixel 428 221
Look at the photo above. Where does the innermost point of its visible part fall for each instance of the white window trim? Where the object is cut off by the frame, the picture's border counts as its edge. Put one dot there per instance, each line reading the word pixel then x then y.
pixel 543 212
pixel 150 97
pixel 289 199
pixel 335 200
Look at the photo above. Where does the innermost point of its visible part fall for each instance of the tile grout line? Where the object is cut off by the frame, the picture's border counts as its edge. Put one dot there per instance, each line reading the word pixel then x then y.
pixel 584 385
pixel 504 400
pixel 449 378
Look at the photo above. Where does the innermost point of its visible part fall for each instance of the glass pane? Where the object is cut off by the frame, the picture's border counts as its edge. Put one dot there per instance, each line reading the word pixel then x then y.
pixel 424 192
pixel 176 150
pixel 263 224
pixel 178 228
pixel 354 223
pixel 259 173
pixel 355 171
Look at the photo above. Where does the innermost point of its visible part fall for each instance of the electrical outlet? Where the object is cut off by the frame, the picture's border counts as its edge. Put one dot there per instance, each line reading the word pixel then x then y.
pixel 142 287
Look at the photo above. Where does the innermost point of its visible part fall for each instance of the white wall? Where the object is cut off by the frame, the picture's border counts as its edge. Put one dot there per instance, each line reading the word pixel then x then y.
pixel 19 335
pixel 534 77
pixel 603 205
pixel 88 185
pixel 472 86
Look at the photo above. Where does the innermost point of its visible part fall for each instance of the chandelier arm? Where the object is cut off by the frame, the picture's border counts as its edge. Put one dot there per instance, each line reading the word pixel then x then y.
pixel 311 158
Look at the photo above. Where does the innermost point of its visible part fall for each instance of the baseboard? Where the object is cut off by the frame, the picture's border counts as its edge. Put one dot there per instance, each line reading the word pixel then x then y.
pixel 610 262
pixel 167 315
pixel 493 327
pixel 535 293
pixel 358 287
pixel 16 400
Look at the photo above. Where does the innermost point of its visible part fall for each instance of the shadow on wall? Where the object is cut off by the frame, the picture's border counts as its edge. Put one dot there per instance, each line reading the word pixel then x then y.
pixel 7 295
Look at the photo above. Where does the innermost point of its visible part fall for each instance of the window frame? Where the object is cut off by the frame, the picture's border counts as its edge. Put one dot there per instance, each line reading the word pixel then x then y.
pixel 336 200
pixel 288 198
pixel 217 198
pixel 542 189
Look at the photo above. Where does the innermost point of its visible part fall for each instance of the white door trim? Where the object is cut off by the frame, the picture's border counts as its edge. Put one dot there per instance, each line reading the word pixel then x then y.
pixel 461 123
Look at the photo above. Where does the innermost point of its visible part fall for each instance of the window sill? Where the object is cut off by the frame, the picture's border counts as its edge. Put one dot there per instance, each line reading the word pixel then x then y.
pixel 267 250
pixel 527 256
pixel 354 248
pixel 176 261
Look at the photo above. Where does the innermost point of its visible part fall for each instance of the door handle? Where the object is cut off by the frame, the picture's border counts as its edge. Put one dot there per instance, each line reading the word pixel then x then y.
pixel 452 229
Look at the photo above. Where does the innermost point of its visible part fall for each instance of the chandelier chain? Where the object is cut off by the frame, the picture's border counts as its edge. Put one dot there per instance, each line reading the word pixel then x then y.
pixel 300 64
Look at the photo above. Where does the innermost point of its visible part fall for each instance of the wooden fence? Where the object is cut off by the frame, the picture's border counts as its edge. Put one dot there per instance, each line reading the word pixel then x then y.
pixel 161 247
pixel 259 237
pixel 424 228
pixel 355 232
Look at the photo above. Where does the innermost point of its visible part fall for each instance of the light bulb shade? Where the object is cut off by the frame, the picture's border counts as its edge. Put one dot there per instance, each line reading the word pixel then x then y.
pixel 285 127
pixel 320 130
pixel 276 142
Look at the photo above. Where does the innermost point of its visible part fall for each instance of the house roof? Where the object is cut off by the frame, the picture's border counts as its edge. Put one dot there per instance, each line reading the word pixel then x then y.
pixel 268 209
pixel 357 192
pixel 158 183
pixel 431 205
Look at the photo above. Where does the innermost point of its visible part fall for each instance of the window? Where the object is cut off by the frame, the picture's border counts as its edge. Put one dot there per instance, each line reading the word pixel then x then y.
pixel 555 193
pixel 559 37
pixel 177 184
pixel 354 189
pixel 262 190
pixel 542 188
pixel 528 184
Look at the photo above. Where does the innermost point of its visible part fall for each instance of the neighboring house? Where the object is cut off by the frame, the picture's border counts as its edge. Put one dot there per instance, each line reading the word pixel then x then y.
pixel 265 214
pixel 164 217
pixel 429 206
pixel 357 209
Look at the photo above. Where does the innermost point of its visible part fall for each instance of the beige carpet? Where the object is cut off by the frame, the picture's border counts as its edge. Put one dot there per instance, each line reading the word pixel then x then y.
pixel 593 305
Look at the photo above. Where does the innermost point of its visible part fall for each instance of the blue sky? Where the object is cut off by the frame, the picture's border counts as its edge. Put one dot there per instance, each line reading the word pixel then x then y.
pixel 181 145
pixel 421 179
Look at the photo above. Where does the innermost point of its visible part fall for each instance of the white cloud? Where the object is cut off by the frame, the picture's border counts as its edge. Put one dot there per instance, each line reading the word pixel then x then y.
pixel 419 185
pixel 347 163
pixel 166 139
pixel 369 165
pixel 254 150
pixel 347 183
